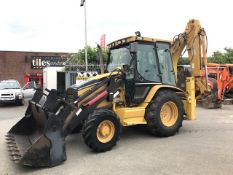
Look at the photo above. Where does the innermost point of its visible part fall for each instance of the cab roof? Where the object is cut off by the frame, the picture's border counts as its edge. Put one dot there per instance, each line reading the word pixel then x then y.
pixel 131 39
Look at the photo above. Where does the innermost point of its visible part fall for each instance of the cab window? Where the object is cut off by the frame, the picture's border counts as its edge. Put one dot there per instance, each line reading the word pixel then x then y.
pixel 165 63
pixel 146 63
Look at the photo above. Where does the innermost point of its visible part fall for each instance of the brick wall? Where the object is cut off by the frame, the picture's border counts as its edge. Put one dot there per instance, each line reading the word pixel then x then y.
pixel 15 64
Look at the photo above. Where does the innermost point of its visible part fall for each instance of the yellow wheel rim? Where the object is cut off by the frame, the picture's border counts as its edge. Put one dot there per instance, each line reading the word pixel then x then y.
pixel 105 131
pixel 169 113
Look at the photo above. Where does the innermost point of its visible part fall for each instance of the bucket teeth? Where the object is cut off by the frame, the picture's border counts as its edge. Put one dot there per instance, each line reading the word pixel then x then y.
pixel 15 154
pixel 13 149
pixel 10 139
pixel 10 142
pixel 9 135
pixel 16 161
pixel 15 158
pixel 12 146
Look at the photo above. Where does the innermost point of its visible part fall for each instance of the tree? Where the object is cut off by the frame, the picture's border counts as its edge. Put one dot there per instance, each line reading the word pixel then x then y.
pixel 92 56
pixel 183 61
pixel 217 57
pixel 222 58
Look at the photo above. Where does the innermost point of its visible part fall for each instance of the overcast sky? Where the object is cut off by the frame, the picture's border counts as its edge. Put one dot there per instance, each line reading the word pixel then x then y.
pixel 58 25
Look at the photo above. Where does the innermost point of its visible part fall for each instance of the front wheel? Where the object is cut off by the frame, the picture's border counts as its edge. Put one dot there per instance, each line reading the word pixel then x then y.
pixel 164 115
pixel 21 102
pixel 101 130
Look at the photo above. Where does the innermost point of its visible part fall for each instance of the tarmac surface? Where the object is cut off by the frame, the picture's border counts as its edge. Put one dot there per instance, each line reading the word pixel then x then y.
pixel 203 146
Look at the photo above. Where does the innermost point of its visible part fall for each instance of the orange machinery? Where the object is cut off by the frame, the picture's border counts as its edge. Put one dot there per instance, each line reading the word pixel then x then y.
pixel 223 76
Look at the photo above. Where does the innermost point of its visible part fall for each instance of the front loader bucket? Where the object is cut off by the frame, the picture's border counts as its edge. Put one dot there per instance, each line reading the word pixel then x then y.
pixel 37 139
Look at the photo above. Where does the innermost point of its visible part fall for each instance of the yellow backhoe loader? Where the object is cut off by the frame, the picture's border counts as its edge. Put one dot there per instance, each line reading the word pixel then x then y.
pixel 140 88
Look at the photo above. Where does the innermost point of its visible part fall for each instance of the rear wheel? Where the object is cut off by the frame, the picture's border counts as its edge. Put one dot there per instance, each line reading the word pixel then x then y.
pixel 164 115
pixel 101 130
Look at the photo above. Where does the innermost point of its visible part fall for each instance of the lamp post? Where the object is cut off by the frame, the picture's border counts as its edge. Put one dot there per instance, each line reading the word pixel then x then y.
pixel 83 3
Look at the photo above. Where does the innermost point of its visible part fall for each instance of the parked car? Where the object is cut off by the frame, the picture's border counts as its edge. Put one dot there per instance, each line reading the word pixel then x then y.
pixel 11 92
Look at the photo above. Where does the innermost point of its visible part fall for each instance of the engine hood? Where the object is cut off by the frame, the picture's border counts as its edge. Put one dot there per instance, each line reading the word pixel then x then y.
pixel 8 91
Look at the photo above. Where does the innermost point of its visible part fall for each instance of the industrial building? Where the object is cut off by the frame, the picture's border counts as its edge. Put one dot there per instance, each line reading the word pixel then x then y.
pixel 28 66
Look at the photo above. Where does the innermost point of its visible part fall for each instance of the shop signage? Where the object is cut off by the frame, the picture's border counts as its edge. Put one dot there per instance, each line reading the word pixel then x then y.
pixel 39 62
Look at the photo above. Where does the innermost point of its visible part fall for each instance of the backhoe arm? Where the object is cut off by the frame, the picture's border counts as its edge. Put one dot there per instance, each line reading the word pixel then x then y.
pixel 194 40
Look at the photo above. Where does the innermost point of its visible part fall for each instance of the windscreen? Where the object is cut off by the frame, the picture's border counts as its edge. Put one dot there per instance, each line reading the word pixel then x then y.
pixel 118 58
pixel 9 85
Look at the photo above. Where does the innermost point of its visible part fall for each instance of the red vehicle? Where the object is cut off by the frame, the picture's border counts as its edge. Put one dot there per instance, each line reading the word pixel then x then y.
pixel 223 74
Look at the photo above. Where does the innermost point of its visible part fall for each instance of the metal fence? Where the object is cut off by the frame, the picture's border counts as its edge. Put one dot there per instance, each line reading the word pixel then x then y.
pixel 82 68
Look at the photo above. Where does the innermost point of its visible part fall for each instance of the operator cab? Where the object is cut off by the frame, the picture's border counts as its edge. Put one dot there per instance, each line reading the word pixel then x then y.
pixel 149 63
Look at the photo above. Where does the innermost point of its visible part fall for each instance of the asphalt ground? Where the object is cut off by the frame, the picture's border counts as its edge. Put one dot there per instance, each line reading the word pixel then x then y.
pixel 203 146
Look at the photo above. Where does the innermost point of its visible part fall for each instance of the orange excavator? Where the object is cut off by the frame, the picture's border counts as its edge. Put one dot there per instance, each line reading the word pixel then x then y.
pixel 223 76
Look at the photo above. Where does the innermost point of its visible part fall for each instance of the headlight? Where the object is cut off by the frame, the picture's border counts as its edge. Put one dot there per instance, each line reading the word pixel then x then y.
pixel 19 94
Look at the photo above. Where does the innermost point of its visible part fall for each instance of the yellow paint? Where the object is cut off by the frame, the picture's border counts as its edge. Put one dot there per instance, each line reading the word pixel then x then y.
pixel 105 131
pixel 135 115
pixel 81 91
pixel 190 103
pixel 169 113
pixel 154 90
pixel 82 78
pixel 104 103
pixel 200 86
pixel 131 39
pixel 98 77
pixel 130 116
pixel 194 39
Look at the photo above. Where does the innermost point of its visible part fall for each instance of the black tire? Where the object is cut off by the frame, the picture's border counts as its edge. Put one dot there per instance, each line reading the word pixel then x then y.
pixel 153 116
pixel 21 102
pixel 90 130
pixel 215 85
pixel 212 102
pixel 78 129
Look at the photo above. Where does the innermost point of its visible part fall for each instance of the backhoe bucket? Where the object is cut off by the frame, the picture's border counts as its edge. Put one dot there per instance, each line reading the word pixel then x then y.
pixel 37 139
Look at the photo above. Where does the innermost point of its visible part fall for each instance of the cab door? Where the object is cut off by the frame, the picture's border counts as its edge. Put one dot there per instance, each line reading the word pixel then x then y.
pixel 153 65
pixel 165 63
pixel 146 74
